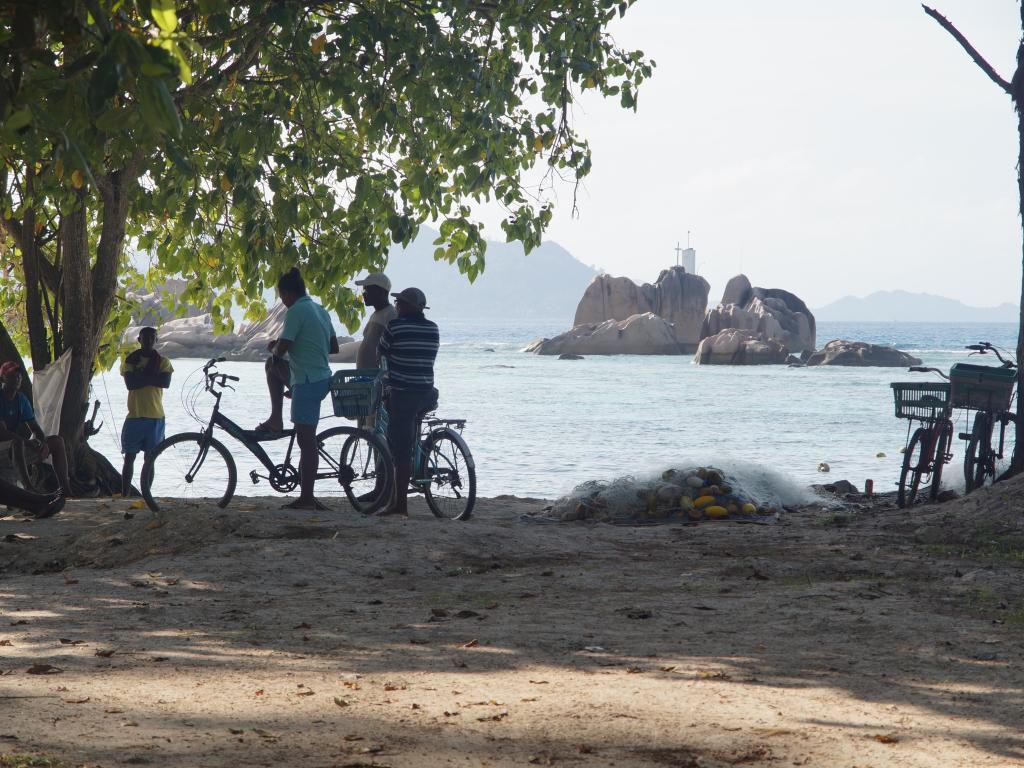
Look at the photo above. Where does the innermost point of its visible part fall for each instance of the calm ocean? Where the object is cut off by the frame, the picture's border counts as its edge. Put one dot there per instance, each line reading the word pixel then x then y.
pixel 537 426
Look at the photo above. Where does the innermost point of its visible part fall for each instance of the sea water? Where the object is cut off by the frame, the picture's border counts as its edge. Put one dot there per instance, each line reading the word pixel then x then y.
pixel 537 425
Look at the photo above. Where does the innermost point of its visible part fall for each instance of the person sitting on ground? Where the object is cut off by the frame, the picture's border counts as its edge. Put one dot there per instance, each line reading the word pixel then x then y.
pixel 376 287
pixel 409 345
pixel 307 338
pixel 18 422
pixel 146 374
pixel 40 505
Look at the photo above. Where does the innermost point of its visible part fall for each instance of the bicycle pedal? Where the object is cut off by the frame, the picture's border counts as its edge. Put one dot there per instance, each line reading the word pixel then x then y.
pixel 254 477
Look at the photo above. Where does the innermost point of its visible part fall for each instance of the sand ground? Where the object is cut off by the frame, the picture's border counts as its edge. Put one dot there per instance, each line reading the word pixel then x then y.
pixel 861 636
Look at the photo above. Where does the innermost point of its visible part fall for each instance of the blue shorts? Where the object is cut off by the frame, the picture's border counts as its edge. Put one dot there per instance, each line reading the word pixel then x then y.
pixel 140 434
pixel 306 399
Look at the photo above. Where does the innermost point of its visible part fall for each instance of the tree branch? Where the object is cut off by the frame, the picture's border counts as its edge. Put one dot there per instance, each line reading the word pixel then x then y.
pixel 987 68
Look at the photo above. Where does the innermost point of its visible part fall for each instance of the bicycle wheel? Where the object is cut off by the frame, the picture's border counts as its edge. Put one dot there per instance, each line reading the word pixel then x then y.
pixel 910 473
pixel 189 466
pixel 977 452
pixel 449 468
pixel 355 463
pixel 942 447
pixel 35 476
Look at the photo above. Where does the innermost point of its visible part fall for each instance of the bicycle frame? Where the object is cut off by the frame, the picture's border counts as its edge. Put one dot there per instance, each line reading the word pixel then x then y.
pixel 218 419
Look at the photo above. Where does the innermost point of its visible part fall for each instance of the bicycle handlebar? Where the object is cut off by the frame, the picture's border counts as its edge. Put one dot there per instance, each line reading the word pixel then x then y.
pixel 985 346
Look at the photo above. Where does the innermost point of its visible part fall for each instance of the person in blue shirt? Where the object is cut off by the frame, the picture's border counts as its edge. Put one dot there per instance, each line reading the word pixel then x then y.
pixel 307 338
pixel 18 422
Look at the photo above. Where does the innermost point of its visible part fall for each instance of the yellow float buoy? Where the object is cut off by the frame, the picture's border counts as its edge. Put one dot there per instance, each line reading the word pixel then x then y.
pixel 703 501
pixel 715 511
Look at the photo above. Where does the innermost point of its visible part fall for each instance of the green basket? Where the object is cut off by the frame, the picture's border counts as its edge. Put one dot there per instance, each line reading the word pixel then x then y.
pixel 355 394
pixel 921 400
pixel 982 387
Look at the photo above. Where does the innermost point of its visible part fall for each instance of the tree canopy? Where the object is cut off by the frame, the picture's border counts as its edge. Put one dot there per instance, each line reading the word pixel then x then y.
pixel 233 140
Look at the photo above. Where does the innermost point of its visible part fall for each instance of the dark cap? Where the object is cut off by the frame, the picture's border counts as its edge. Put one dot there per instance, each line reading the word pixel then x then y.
pixel 414 297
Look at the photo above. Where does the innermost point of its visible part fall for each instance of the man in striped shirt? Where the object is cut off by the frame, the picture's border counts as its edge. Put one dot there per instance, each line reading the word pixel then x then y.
pixel 409 344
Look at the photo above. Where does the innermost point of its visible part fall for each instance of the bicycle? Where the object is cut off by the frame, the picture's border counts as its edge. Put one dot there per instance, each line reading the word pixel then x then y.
pixel 927 451
pixel 443 469
pixel 198 465
pixel 988 390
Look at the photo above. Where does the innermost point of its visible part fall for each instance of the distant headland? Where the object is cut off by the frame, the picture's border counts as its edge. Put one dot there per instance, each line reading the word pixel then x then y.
pixel 906 307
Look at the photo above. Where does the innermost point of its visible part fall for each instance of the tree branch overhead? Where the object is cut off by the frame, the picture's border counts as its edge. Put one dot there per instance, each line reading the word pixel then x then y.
pixel 987 68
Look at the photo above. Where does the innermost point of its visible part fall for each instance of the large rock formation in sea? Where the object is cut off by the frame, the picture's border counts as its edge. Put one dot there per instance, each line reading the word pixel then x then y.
pixel 734 346
pixel 862 354
pixel 195 337
pixel 162 304
pixel 771 313
pixel 641 334
pixel 676 296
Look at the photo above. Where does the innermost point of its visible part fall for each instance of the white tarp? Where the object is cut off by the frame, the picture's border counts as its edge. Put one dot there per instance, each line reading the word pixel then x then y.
pixel 48 387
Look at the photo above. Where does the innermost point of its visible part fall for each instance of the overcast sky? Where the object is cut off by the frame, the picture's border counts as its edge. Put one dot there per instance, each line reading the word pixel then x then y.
pixel 829 148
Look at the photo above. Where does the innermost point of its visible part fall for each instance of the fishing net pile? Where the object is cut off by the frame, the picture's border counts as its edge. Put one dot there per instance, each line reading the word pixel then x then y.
pixel 684 495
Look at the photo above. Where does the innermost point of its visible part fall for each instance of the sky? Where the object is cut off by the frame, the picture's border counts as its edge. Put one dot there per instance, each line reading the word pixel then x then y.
pixel 825 147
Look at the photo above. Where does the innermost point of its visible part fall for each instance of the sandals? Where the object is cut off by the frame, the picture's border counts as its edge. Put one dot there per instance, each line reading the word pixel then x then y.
pixel 316 506
pixel 55 505
pixel 264 427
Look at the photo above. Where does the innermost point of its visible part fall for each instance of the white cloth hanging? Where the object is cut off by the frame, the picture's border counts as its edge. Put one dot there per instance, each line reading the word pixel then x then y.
pixel 48 387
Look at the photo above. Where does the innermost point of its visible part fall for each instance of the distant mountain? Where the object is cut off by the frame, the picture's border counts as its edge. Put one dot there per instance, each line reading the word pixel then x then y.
pixel 906 307
pixel 548 283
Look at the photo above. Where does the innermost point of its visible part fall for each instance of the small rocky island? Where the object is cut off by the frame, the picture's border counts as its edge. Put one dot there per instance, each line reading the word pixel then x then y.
pixel 749 326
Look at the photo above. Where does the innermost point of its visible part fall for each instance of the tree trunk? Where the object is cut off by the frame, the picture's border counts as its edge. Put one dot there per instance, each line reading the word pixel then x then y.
pixel 79 335
pixel 1017 462
pixel 39 345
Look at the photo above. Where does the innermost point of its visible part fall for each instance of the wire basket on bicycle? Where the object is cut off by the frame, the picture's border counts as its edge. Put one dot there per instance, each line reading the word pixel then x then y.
pixel 927 401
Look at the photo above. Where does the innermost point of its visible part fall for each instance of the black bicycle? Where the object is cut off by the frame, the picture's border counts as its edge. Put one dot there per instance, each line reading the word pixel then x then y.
pixel 988 390
pixel 927 449
pixel 196 465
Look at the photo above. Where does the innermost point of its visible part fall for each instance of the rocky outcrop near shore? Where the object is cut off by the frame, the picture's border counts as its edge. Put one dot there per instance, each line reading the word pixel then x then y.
pixel 677 297
pixel 734 346
pixel 195 337
pixel 860 353
pixel 641 334
pixel 773 314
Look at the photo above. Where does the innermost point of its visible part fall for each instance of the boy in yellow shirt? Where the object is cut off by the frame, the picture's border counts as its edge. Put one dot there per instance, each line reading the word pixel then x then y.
pixel 147 374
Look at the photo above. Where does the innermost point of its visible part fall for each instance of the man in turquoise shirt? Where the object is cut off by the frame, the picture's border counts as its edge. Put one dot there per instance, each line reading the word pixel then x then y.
pixel 307 338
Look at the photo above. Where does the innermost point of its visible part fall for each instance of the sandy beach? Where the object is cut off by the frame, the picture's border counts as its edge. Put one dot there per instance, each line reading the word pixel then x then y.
pixel 853 635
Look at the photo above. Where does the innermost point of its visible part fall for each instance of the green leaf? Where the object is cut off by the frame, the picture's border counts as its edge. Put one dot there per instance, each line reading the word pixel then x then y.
pixel 164 15
pixel 18 120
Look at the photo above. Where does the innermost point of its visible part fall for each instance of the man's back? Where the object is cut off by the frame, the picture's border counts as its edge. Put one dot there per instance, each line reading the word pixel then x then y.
pixel 410 345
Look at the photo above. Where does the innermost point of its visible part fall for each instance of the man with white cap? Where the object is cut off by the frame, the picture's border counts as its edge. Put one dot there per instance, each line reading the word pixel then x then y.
pixel 376 287
pixel 409 345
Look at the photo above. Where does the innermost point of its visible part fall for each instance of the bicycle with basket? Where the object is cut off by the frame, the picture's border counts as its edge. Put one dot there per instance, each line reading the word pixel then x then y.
pixel 986 390
pixel 443 469
pixel 927 450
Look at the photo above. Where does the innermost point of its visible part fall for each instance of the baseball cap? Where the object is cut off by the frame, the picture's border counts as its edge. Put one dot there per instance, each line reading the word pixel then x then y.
pixel 376 278
pixel 414 297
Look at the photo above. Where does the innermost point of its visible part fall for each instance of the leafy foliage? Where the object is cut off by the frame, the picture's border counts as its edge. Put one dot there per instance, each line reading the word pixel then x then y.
pixel 265 134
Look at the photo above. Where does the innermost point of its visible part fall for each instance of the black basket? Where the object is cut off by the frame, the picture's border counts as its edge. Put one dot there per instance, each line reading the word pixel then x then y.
pixel 921 400
pixel 355 394
pixel 983 387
